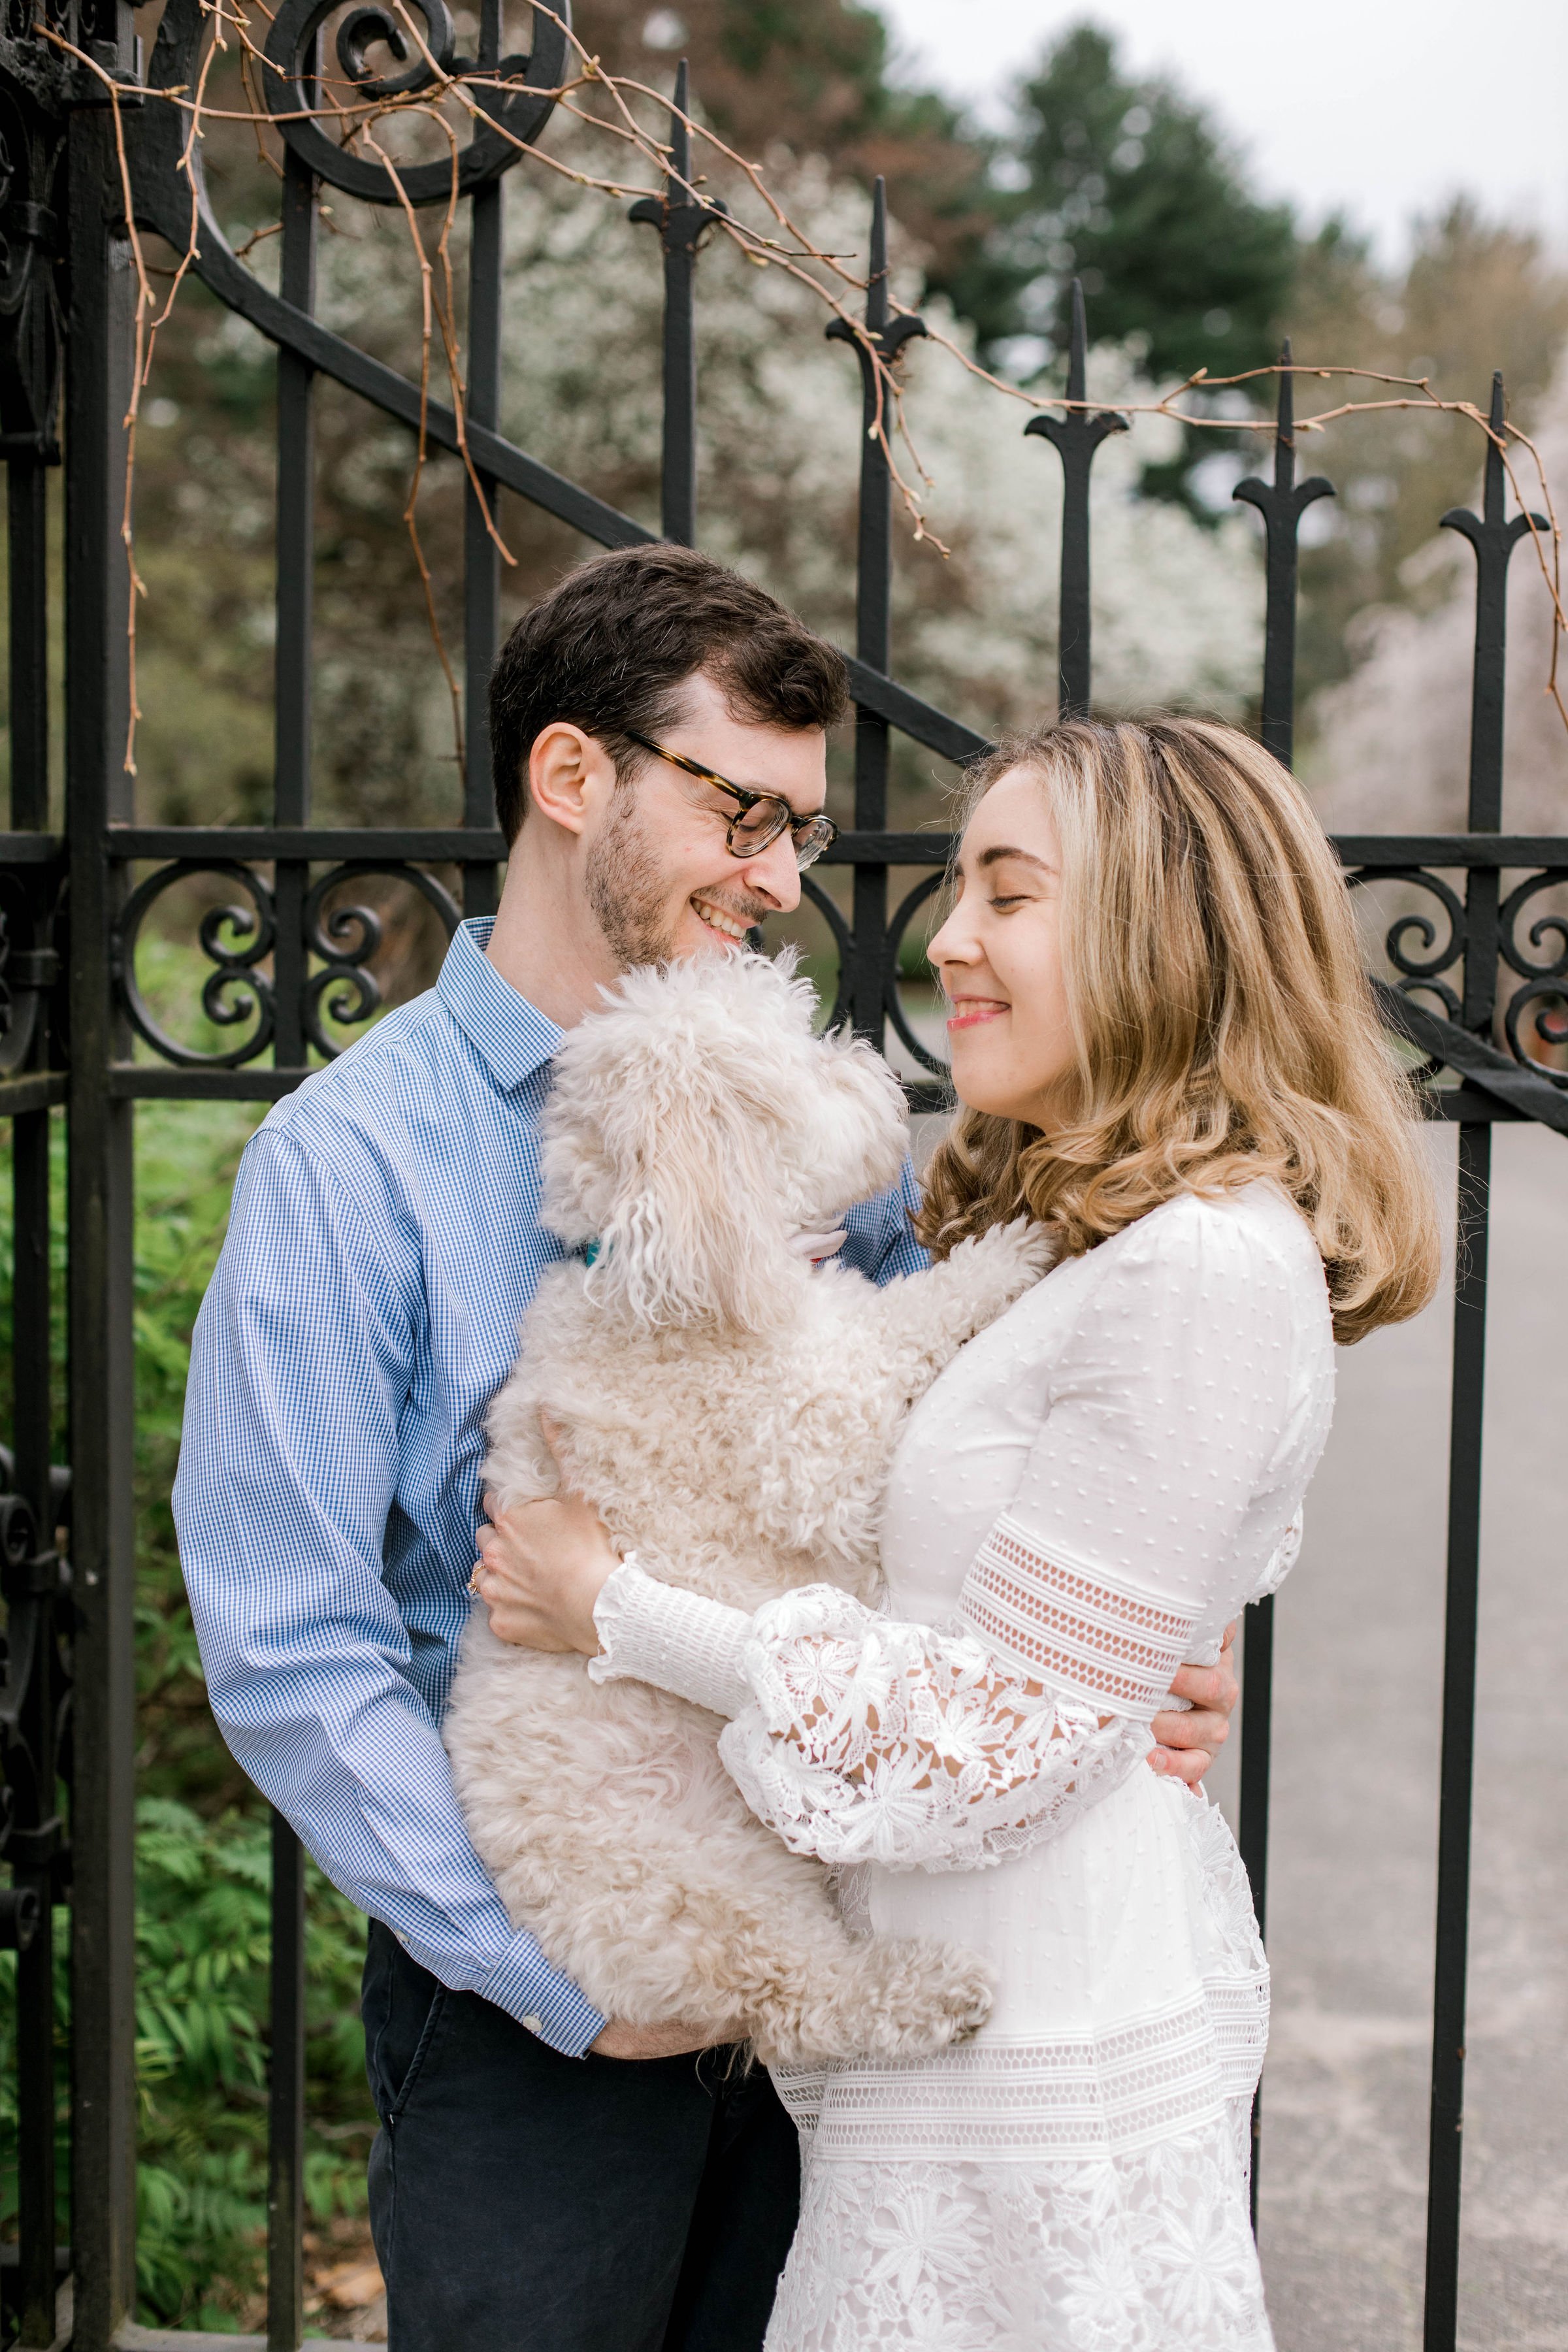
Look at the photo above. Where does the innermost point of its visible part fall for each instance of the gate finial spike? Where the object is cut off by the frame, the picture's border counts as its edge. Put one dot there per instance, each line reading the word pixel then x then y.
pixel 877 278
pixel 1285 424
pixel 679 134
pixel 1078 346
pixel 1494 497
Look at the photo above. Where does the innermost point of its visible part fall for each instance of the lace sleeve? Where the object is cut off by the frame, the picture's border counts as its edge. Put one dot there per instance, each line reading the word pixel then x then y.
pixel 947 1748
pixel 861 1738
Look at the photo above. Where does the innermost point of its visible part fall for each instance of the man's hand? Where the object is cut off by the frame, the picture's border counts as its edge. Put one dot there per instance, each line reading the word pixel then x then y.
pixel 649 2040
pixel 1189 1742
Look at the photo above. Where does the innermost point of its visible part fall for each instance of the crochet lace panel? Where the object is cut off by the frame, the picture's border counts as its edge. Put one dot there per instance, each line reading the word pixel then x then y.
pixel 1135 2253
pixel 913 1747
pixel 1093 1635
pixel 1077 2099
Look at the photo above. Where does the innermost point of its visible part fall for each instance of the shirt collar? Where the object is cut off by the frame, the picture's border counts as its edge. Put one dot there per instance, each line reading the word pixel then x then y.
pixel 512 1036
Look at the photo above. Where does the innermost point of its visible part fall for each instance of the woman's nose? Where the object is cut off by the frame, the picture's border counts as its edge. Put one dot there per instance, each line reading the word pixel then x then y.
pixel 950 945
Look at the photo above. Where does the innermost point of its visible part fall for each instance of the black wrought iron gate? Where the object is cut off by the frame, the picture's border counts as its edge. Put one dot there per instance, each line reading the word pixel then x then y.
pixel 69 1006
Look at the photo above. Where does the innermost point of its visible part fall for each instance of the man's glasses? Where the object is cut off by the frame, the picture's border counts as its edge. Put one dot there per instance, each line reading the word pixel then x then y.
pixel 762 815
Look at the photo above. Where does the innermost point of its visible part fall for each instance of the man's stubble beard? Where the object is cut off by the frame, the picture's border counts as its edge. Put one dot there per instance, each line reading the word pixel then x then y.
pixel 629 896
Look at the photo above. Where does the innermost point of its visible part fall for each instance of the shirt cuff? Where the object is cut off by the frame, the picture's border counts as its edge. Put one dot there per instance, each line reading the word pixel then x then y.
pixel 522 1982
pixel 653 1632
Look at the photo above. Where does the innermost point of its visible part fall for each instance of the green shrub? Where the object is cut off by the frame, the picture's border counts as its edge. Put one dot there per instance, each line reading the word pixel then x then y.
pixel 201 1857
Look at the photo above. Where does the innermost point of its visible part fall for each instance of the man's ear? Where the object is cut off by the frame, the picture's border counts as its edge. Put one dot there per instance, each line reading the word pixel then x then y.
pixel 568 774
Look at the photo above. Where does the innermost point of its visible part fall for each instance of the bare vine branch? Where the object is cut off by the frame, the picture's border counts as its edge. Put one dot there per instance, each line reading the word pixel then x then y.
pixel 604 105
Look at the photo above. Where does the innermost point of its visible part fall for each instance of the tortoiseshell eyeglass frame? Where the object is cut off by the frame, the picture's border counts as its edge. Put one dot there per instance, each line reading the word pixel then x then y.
pixel 810 834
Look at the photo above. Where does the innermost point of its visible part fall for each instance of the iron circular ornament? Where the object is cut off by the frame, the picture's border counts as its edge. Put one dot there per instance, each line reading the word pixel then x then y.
pixel 516 115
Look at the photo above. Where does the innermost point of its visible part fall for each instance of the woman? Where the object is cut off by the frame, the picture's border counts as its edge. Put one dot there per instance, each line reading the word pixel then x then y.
pixel 1168 1055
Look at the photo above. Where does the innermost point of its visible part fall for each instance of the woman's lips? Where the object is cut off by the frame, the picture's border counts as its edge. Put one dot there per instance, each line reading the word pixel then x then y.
pixel 969 1011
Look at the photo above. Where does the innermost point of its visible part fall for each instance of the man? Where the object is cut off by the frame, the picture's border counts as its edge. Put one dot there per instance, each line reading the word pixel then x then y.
pixel 543 2177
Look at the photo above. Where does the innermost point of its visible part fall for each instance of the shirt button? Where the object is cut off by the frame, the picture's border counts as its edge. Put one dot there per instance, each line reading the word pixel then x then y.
pixel 534 2024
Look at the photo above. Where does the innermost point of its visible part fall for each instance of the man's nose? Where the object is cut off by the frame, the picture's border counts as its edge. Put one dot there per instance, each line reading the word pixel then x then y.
pixel 774 873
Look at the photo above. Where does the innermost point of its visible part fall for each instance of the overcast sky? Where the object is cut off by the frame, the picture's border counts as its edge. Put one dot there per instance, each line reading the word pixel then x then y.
pixel 1380 107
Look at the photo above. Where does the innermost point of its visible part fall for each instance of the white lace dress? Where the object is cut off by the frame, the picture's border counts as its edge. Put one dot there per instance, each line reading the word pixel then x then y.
pixel 1089 1493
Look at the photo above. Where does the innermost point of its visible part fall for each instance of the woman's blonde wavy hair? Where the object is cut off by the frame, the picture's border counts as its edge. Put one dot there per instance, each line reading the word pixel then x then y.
pixel 1224 1025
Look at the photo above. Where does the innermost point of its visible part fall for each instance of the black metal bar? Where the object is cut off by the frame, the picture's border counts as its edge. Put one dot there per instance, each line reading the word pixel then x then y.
pixel 1252 1812
pixel 294 602
pixel 1076 436
pixel 877 350
pixel 97 790
pixel 1369 852
pixel 34 1961
pixel 159 1082
pixel 326 846
pixel 30 848
pixel 286 2097
pixel 481 557
pixel 680 217
pixel 36 1838
pixel 37 1091
pixel 1282 504
pixel 1493 537
pixel 1446 2151
pixel 1474 1060
pixel 27 515
pixel 292 807
pixel 1373 851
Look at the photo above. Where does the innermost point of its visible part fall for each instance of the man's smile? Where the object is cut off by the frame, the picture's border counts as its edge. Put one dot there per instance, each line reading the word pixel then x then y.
pixel 721 918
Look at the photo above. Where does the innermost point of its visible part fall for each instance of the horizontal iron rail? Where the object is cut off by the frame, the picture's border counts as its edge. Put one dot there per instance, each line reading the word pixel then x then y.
pixel 321 845
pixel 460 845
pixel 1477 852
pixel 175 1082
pixel 34 1090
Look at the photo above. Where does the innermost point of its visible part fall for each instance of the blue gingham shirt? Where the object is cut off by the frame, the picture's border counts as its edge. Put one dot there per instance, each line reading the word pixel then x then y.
pixel 384 1244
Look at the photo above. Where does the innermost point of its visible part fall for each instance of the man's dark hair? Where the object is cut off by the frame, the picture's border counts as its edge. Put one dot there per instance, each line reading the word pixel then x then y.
pixel 608 649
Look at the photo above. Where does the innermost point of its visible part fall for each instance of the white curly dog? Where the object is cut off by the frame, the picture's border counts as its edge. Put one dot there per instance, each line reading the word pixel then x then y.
pixel 732 1410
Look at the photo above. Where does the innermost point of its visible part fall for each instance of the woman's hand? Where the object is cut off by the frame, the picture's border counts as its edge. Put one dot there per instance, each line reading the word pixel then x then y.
pixel 1187 1744
pixel 541 1567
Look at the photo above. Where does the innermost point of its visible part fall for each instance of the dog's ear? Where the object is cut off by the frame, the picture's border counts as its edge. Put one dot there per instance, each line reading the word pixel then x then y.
pixel 663 1143
pixel 693 1233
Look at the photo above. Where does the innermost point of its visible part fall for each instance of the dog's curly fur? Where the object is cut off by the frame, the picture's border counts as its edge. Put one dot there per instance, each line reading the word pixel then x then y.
pixel 733 1412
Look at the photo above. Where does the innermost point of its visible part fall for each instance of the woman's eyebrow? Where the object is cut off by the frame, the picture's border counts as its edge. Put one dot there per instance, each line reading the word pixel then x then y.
pixel 995 857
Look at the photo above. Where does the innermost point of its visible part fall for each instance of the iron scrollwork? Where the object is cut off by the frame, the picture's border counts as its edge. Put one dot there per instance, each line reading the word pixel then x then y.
pixel 238 940
pixel 31 324
pixel 1420 973
pixel 926 887
pixel 843 940
pixel 345 937
pixel 515 96
pixel 29 962
pixel 1545 979
pixel 235 939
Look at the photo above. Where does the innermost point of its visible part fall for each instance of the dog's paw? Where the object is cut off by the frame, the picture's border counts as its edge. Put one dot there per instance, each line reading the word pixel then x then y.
pixel 898 1998
pixel 1010 1259
pixel 940 1994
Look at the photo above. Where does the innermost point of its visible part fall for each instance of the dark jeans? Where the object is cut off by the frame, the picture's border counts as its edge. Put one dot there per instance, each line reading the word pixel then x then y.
pixel 526 2203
